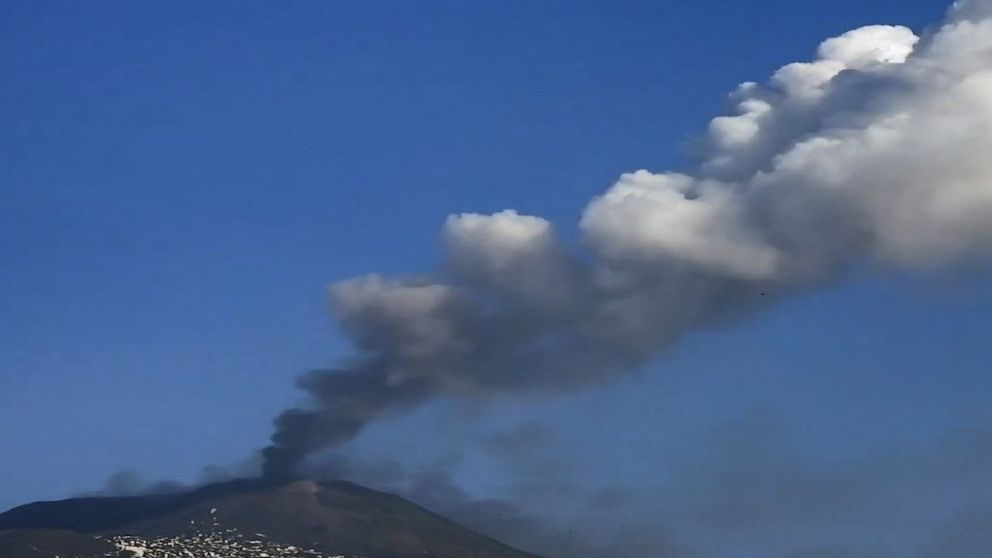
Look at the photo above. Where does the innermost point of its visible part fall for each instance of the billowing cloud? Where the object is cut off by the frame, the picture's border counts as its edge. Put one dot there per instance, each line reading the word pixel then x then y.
pixel 875 153
pixel 667 218
pixel 515 256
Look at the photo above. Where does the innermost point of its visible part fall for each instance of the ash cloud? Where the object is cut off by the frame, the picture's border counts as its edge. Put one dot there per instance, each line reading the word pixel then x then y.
pixel 518 513
pixel 524 439
pixel 131 483
pixel 750 489
pixel 873 154
pixel 756 491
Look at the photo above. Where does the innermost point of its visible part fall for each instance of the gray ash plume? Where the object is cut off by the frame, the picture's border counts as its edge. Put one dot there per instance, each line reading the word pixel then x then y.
pixel 873 154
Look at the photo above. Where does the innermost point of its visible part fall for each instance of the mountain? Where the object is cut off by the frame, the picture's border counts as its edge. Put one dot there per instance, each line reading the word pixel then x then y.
pixel 243 518
pixel 45 543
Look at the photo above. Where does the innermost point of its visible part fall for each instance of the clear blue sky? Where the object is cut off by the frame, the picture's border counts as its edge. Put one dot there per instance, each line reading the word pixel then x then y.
pixel 179 181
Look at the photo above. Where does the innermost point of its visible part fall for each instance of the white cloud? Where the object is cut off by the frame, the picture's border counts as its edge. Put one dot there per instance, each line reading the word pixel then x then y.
pixel 673 218
pixel 515 255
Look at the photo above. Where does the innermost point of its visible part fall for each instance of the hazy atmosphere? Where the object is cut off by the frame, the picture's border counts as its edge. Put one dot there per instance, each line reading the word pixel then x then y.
pixel 637 279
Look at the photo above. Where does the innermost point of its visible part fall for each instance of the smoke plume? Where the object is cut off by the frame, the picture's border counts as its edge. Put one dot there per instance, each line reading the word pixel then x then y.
pixel 876 153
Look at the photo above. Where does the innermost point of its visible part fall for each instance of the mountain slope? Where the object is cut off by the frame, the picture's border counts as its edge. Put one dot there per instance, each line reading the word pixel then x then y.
pixel 42 543
pixel 332 517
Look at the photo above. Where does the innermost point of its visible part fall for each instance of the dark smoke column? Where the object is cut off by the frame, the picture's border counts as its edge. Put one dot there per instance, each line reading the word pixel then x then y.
pixel 344 401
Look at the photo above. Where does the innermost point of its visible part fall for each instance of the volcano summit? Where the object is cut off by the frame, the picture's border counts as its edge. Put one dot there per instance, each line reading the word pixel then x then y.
pixel 243 519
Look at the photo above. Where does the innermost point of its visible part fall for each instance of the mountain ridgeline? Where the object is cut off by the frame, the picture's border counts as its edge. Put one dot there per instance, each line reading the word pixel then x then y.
pixel 325 518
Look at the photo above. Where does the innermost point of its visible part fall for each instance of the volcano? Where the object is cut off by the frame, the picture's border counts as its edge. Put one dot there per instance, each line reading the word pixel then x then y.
pixel 244 519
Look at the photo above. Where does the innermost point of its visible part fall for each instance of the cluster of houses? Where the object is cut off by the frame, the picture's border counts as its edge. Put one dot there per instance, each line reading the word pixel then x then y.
pixel 220 544
pixel 211 542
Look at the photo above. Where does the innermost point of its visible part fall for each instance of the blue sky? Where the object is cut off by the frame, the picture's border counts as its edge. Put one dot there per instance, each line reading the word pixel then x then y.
pixel 180 181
